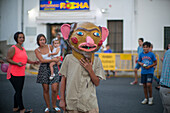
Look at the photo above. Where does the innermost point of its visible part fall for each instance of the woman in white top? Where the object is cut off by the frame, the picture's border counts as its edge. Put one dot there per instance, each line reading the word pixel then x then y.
pixel 44 72
pixel 55 53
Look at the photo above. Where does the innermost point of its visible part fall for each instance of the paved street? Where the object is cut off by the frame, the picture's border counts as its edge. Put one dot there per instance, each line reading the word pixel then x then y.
pixel 115 95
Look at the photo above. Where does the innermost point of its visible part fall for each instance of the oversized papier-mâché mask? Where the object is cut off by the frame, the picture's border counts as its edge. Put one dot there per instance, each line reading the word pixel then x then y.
pixel 84 38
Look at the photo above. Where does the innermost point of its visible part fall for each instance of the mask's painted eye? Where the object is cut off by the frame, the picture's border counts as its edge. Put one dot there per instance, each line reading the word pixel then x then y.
pixel 96 34
pixel 80 33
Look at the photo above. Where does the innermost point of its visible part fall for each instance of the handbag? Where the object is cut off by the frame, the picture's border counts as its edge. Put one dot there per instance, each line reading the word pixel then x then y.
pixel 4 67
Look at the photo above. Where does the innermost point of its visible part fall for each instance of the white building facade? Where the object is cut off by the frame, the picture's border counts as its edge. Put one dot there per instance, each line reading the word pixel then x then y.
pixel 127 20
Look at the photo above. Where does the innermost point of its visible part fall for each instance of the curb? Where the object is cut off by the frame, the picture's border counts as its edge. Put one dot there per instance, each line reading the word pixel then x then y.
pixel 32 72
pixel 35 72
pixel 125 76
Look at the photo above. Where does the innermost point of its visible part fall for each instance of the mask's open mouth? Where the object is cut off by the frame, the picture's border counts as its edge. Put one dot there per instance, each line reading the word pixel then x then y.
pixel 87 47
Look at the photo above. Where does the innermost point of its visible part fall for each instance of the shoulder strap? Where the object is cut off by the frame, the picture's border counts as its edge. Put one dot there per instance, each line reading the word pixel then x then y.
pixel 49 49
pixel 38 49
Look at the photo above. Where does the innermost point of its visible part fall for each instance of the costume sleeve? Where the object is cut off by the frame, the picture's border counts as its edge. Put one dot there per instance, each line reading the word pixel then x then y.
pixel 99 71
pixel 64 66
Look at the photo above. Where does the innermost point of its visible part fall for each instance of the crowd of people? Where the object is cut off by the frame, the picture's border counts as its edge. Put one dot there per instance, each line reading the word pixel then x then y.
pixel 147 61
pixel 50 60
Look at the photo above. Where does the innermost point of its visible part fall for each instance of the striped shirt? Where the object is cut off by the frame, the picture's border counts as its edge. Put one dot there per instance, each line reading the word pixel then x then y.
pixel 165 75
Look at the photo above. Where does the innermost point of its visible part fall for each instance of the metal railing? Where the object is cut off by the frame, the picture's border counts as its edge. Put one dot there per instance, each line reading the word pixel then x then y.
pixel 122 62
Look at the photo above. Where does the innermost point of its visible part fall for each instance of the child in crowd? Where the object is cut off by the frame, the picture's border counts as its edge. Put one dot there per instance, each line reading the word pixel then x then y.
pixel 147 60
pixel 55 53
pixel 108 50
pixel 137 67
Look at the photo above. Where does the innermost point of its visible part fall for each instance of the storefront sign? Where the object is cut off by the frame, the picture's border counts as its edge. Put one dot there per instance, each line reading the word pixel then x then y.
pixel 52 5
pixel 108 60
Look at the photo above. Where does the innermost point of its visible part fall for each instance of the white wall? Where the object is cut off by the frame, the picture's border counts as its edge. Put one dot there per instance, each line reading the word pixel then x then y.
pixel 152 16
pixel 9 20
pixel 31 11
pixel 116 10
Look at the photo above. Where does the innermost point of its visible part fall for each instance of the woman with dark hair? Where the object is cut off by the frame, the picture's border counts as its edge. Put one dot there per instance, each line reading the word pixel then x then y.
pixel 44 72
pixel 17 59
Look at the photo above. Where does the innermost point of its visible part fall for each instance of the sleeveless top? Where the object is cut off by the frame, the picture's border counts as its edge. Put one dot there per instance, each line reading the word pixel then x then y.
pixel 45 56
pixel 54 50
pixel 19 56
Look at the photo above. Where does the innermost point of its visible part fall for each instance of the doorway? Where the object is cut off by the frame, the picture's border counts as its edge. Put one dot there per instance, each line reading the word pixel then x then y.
pixel 115 38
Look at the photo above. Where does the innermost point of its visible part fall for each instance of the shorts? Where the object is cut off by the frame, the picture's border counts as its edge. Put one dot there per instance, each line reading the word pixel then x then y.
pixel 137 66
pixel 146 78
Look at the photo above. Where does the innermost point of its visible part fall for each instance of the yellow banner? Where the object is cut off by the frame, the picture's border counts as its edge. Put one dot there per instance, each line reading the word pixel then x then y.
pixel 108 60
pixel 125 57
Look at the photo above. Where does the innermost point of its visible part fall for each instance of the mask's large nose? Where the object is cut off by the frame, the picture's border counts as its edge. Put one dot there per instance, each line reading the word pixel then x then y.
pixel 90 41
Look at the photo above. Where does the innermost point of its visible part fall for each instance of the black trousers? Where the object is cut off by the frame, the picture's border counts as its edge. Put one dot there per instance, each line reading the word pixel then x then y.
pixel 18 83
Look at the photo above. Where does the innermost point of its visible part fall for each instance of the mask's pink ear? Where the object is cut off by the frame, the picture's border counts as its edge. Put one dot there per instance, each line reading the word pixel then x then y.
pixel 65 30
pixel 105 33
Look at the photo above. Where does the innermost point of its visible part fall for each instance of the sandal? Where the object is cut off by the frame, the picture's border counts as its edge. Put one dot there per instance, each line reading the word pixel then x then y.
pixel 47 110
pixel 133 83
pixel 56 109
pixel 28 111
pixel 16 110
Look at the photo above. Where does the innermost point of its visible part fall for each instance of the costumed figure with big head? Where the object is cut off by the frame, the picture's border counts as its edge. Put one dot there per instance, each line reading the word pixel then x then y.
pixel 81 71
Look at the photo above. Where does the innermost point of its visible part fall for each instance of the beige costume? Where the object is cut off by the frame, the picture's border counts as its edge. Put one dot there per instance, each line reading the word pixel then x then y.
pixel 80 91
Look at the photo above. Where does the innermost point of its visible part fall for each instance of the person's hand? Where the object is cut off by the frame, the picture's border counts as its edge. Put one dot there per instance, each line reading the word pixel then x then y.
pixel 147 67
pixel 58 63
pixel 36 62
pixel 62 104
pixel 56 59
pixel 162 59
pixel 20 64
pixel 49 54
pixel 136 60
pixel 86 64
pixel 1 61
pixel 140 63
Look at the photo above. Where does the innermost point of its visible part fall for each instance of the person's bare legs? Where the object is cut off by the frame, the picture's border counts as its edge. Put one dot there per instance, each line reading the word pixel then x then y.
pixel 136 77
pixel 149 86
pixel 54 88
pixel 51 67
pixel 145 90
pixel 46 94
pixel 107 74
